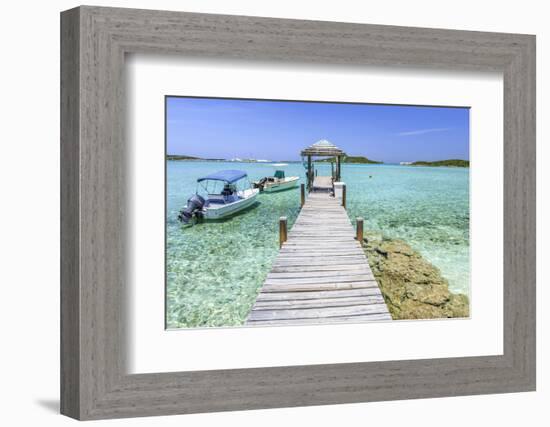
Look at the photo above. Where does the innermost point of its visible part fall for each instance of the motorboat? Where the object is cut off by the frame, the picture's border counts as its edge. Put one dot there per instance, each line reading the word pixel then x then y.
pixel 224 193
pixel 277 182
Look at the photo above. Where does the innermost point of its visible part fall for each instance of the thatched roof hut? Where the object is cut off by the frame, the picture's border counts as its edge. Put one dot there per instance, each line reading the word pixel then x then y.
pixel 323 148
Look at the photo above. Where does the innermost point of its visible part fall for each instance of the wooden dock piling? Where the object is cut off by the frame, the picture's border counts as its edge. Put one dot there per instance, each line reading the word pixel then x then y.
pixel 282 230
pixel 302 195
pixel 344 196
pixel 359 230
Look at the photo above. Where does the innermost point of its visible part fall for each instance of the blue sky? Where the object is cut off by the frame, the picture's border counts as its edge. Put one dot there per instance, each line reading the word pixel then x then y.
pixel 275 130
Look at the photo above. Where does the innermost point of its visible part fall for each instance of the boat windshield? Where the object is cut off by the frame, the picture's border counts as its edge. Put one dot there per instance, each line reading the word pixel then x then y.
pixel 217 187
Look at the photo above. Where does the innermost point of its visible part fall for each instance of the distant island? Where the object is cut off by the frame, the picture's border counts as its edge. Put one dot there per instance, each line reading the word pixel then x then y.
pixel 181 157
pixel 451 162
pixel 190 158
pixel 353 159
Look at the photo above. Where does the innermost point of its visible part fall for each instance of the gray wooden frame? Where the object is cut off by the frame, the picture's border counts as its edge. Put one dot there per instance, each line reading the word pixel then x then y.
pixel 94 382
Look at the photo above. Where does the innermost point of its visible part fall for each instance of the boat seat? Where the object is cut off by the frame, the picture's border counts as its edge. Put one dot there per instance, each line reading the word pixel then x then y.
pixel 227 191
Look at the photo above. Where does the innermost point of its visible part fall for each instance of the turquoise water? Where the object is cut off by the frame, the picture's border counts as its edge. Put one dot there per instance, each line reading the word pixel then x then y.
pixel 214 269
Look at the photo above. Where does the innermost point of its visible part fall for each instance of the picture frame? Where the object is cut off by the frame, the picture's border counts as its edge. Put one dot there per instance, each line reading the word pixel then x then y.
pixel 94 380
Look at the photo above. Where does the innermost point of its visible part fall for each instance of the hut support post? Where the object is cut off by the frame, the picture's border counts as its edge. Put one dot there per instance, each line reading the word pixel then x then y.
pixel 302 195
pixel 309 173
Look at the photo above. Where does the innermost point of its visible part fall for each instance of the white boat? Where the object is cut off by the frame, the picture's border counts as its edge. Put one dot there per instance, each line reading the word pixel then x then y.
pixel 277 182
pixel 220 201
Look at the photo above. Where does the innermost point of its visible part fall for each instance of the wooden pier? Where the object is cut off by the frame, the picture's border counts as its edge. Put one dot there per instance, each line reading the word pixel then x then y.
pixel 321 274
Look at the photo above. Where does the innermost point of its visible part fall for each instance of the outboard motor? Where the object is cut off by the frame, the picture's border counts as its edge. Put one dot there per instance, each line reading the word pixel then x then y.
pixel 194 205
pixel 260 184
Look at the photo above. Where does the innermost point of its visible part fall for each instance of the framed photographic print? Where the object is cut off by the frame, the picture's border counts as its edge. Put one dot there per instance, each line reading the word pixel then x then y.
pixel 260 213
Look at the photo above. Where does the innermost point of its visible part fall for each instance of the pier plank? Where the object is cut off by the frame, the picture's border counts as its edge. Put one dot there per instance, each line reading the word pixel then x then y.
pixel 318 303
pixel 313 313
pixel 314 268
pixel 283 296
pixel 336 274
pixel 319 279
pixel 316 262
pixel 300 287
pixel 321 320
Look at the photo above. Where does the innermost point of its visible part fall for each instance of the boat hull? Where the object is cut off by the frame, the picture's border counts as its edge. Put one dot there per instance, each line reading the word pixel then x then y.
pixel 224 211
pixel 289 183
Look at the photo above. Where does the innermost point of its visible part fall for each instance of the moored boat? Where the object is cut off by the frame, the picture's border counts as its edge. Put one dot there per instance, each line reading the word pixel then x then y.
pixel 219 200
pixel 277 182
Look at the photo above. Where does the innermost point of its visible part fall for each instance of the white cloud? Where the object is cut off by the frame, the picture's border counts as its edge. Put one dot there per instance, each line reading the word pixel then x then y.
pixel 422 131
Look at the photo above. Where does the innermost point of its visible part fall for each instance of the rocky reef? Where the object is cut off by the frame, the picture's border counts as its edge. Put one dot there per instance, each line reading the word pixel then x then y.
pixel 412 287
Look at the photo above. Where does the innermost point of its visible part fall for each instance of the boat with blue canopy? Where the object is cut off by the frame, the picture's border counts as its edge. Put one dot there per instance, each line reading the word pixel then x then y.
pixel 219 195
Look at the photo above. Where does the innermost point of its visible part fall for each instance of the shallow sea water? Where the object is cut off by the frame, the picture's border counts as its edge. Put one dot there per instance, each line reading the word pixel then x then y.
pixel 215 269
